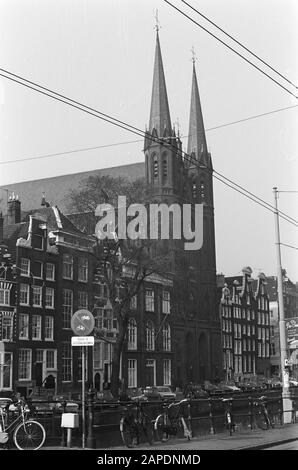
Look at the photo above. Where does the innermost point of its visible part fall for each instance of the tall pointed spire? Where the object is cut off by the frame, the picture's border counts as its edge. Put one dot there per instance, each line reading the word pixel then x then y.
pixel 159 114
pixel 197 143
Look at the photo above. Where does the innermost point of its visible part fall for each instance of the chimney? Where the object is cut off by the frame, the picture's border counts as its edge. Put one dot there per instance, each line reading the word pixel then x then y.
pixel 13 210
pixel 1 227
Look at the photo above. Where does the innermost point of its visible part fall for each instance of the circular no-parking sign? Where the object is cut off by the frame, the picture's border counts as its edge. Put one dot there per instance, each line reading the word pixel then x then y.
pixel 82 322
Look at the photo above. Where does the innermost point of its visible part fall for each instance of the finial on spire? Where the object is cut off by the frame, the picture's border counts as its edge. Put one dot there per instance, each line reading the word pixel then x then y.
pixel 194 57
pixel 157 23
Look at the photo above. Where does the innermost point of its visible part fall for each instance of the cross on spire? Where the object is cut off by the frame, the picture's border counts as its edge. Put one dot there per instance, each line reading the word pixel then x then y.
pixel 157 23
pixel 194 57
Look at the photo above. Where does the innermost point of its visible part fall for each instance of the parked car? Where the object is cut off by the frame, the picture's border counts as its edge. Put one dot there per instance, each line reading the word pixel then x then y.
pixel 40 404
pixel 228 387
pixel 195 391
pixel 166 393
pixel 152 393
pixel 293 383
pixel 64 404
pixel 212 389
pixel 105 399
pixel 136 394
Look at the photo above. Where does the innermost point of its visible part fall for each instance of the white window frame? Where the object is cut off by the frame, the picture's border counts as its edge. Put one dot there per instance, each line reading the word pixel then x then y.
pixel 82 269
pixel 166 337
pixel 8 328
pixel 24 291
pixel 52 270
pixel 25 271
pixel 83 294
pixel 36 294
pixel 150 336
pixel 149 300
pixel 167 372
pixel 132 373
pixel 3 367
pixel 5 297
pixel 68 364
pixel 67 265
pixel 166 301
pixel 49 327
pixel 36 327
pixel 132 333
pixel 23 326
pixel 49 295
pixel 28 362
pixel 67 308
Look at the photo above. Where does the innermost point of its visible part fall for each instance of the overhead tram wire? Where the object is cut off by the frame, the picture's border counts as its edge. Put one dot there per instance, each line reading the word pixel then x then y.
pixel 115 144
pixel 231 48
pixel 133 129
pixel 240 44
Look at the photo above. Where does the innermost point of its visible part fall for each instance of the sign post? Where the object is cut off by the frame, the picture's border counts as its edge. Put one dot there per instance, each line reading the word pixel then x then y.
pixel 82 324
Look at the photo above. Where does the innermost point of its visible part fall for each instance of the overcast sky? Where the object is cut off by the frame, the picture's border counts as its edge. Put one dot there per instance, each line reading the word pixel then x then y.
pixel 101 53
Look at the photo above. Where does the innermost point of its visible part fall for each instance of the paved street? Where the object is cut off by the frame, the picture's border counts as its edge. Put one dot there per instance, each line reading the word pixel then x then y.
pixel 241 440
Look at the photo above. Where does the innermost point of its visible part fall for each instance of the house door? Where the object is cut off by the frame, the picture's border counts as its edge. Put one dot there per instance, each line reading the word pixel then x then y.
pixel 38 373
pixel 150 372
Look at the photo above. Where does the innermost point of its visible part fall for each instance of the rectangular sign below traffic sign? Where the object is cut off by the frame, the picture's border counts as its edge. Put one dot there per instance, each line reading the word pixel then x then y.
pixel 82 340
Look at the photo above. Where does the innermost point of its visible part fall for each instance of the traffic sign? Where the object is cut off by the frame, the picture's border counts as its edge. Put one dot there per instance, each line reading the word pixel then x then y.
pixel 82 322
pixel 82 340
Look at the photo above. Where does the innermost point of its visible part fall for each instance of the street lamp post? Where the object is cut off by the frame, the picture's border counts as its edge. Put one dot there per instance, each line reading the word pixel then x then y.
pixel 287 402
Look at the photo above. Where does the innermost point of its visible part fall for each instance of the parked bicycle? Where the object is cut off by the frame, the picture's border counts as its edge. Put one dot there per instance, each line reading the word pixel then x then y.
pixel 229 421
pixel 171 420
pixel 262 417
pixel 26 433
pixel 135 423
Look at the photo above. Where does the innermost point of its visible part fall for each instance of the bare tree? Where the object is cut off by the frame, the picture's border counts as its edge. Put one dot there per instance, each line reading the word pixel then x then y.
pixel 125 267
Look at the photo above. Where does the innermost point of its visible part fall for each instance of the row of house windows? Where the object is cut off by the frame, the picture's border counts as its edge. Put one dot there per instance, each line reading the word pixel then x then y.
pixel 150 336
pixel 35 269
pixel 133 372
pixel 67 267
pixel 243 329
pixel 244 364
pixel 263 318
pixel 37 291
pixel 36 327
pixel 46 356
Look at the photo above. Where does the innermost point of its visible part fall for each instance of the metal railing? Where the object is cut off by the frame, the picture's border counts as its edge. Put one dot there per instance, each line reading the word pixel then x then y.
pixel 204 415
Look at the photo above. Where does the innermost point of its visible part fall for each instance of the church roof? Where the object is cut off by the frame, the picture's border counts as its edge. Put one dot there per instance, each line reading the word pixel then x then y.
pixel 57 188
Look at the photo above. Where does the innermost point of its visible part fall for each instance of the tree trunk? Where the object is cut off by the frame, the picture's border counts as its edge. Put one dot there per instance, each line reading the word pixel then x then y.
pixel 117 350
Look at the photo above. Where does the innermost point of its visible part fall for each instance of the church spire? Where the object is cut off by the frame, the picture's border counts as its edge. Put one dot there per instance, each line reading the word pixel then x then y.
pixel 159 114
pixel 197 143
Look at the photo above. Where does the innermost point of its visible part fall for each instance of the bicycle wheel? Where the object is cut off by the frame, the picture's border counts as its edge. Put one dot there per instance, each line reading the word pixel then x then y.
pixel 159 428
pixel 29 435
pixel 262 421
pixel 128 432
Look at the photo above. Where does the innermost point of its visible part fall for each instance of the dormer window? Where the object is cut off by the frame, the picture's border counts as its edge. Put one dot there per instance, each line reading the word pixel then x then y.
pixel 37 242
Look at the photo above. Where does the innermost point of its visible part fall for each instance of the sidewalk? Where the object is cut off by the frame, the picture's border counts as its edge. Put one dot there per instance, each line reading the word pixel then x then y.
pixel 240 440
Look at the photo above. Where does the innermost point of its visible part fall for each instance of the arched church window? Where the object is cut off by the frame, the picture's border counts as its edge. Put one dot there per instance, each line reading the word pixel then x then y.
pixel 194 190
pixel 155 166
pixel 164 165
pixel 202 190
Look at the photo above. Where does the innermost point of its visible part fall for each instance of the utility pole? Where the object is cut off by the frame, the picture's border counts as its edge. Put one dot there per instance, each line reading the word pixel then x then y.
pixel 287 402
